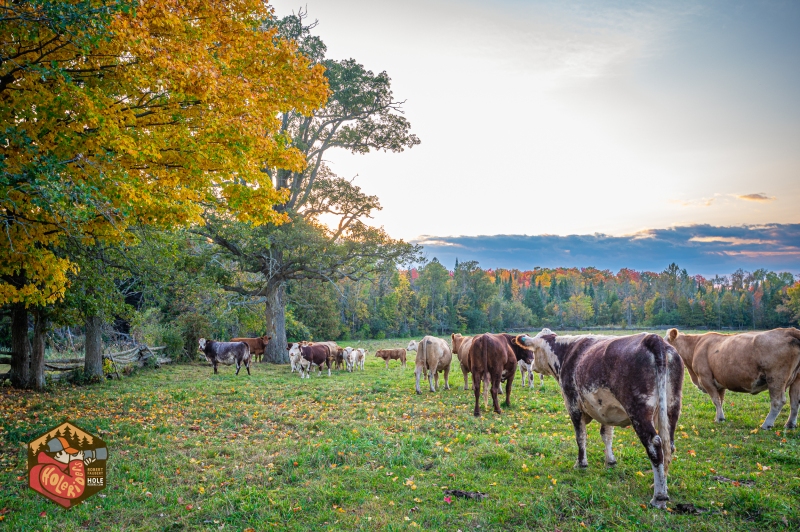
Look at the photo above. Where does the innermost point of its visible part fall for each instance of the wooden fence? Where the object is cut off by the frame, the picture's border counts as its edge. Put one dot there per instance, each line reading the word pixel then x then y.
pixel 138 356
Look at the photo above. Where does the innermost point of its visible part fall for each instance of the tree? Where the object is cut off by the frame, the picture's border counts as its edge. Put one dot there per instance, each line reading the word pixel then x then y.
pixel 361 115
pixel 114 116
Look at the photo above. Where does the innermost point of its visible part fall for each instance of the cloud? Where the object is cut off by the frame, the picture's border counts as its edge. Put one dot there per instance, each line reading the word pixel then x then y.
pixel 756 197
pixel 701 249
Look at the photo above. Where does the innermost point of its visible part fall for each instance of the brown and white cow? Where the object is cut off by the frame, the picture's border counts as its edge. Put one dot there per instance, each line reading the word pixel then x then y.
pixel 392 354
pixel 337 353
pixel 433 357
pixel 314 355
pixel 618 381
pixel 359 355
pixel 749 362
pixel 226 353
pixel 492 360
pixel 257 345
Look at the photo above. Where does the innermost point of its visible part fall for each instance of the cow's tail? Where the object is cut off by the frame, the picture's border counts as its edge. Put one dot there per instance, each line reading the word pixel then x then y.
pixel 656 346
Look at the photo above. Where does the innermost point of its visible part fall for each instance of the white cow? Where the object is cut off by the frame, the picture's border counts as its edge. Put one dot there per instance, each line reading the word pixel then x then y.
pixel 294 356
pixel 349 358
pixel 358 357
pixel 528 370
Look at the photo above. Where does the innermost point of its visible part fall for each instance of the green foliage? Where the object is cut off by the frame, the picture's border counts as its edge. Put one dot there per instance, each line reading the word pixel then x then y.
pixel 172 337
pixel 79 377
pixel 296 330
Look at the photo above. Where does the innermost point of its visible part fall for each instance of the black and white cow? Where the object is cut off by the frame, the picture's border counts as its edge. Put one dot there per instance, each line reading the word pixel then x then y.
pixel 226 353
pixel 618 381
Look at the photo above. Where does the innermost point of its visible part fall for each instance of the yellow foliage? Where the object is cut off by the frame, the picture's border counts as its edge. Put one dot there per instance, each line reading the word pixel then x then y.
pixel 175 112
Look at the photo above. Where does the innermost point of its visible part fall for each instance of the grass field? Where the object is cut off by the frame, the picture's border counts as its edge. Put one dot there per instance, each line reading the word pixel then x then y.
pixel 194 451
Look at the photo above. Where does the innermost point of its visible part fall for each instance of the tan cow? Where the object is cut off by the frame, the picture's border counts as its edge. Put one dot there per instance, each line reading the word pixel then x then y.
pixel 749 362
pixel 433 357
pixel 461 345
pixel 392 354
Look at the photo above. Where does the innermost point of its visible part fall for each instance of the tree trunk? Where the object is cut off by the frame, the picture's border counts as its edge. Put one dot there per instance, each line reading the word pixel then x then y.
pixel 93 363
pixel 20 347
pixel 276 351
pixel 37 354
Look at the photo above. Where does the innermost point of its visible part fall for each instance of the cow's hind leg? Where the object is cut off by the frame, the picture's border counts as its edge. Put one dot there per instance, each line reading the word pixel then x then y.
pixel 652 444
pixel 777 396
pixel 476 387
pixel 466 379
pixel 447 378
pixel 418 374
pixel 579 421
pixel 508 388
pixel 432 374
pixel 717 397
pixel 794 403
pixel 495 392
pixel 607 433
pixel 238 367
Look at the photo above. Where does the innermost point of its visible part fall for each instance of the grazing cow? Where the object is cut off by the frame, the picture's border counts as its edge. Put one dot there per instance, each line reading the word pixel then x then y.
pixel 433 357
pixel 392 354
pixel 257 345
pixel 226 353
pixel 618 381
pixel 749 362
pixel 314 355
pixel 492 360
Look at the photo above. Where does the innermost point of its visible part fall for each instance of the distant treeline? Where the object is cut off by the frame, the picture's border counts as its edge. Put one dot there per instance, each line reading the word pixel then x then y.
pixel 469 299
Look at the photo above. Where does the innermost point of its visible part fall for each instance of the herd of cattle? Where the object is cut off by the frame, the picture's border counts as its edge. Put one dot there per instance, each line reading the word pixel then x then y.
pixel 615 380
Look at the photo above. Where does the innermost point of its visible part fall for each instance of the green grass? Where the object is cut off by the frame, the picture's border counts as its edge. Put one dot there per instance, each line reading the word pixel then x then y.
pixel 344 452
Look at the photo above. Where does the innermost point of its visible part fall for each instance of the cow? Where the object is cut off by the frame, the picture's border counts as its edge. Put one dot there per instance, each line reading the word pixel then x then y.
pixel 749 362
pixel 433 357
pixel 527 370
pixel 392 354
pixel 460 348
pixel 294 354
pixel 314 355
pixel 492 360
pixel 226 353
pixel 358 356
pixel 349 358
pixel 257 345
pixel 618 381
pixel 337 353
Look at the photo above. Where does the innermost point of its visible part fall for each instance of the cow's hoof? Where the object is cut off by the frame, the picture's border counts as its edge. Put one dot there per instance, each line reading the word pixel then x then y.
pixel 477 413
pixel 498 410
pixel 766 427
pixel 790 425
pixel 659 501
pixel 419 392
pixel 612 463
pixel 581 465
pixel 720 420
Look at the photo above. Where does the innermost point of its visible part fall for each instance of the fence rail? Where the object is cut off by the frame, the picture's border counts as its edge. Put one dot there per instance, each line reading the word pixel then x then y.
pixel 138 355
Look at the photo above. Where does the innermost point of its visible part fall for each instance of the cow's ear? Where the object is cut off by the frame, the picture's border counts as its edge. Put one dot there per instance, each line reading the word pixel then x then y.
pixel 672 334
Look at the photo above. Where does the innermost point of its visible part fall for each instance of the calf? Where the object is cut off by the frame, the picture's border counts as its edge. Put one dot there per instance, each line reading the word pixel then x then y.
pixel 492 359
pixel 461 345
pixel 226 353
pixel 294 355
pixel 392 354
pixel 314 355
pixel 257 345
pixel 617 381
pixel 349 358
pixel 433 357
pixel 750 362
pixel 360 354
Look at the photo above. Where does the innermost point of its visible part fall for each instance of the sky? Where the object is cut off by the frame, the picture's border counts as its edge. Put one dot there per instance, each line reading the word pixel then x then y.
pixel 559 119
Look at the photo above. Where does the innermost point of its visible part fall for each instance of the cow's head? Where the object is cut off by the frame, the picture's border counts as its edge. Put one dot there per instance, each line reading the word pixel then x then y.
pixel 682 344
pixel 412 346
pixel 266 338
pixel 455 343
pixel 544 360
pixel 294 350
pixel 202 344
